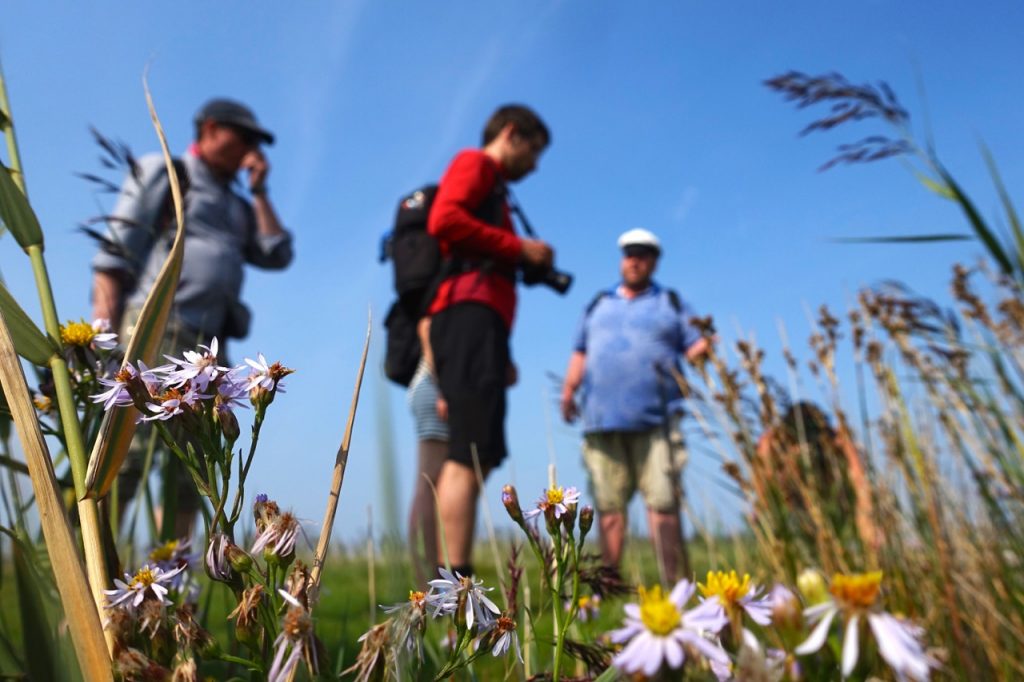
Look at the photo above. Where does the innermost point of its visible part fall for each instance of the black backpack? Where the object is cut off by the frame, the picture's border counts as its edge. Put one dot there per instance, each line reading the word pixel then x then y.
pixel 417 267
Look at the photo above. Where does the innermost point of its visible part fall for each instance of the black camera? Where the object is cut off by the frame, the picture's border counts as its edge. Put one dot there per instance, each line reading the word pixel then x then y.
pixel 548 276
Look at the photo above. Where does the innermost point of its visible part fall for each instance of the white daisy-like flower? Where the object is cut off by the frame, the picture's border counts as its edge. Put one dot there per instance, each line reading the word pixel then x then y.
pixel 855 597
pixel 502 637
pixel 659 629
pixel 452 591
pixel 735 595
pixel 117 394
pixel 266 376
pixel 554 500
pixel 164 410
pixel 199 367
pixel 104 338
pixel 149 580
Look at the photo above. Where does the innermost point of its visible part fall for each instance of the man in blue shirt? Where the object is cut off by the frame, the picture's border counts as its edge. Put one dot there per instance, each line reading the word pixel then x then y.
pixel 629 340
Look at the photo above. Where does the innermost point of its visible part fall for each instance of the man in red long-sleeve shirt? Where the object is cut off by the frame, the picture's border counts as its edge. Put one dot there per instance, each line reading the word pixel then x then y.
pixel 474 308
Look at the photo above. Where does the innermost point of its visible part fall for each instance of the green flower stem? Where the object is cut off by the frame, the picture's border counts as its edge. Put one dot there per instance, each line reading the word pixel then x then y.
pixel 556 602
pixel 13 156
pixel 243 471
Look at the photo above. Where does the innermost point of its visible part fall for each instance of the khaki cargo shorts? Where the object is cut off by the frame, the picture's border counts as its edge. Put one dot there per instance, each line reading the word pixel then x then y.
pixel 620 462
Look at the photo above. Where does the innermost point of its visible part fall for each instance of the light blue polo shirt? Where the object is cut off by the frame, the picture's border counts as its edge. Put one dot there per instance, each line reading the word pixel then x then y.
pixel 626 341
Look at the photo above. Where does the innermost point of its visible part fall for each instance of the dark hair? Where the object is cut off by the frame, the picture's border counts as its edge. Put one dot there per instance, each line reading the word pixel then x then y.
pixel 525 120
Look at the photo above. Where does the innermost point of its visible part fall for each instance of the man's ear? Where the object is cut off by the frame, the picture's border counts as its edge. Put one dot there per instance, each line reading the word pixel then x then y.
pixel 508 131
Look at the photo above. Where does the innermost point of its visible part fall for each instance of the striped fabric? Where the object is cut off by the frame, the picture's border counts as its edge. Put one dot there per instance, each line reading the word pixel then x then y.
pixel 422 397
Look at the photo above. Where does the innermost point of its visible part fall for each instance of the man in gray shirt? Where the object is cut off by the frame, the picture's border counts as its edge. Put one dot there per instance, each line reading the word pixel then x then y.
pixel 223 231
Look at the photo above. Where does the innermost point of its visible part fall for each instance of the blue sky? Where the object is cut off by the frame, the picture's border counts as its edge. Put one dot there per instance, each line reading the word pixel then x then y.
pixel 659 119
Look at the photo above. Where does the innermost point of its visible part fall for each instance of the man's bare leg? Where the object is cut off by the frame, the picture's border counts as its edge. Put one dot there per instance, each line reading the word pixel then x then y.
pixel 457 492
pixel 423 511
pixel 613 536
pixel 666 531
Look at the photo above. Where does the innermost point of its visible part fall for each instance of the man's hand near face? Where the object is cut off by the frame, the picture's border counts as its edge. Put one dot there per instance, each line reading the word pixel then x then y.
pixel 256 165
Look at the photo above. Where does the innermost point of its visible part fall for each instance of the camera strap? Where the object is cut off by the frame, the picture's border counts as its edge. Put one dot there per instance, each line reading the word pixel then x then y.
pixel 514 206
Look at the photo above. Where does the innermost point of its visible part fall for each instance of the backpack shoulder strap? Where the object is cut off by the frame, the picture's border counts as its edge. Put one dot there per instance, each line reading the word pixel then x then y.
pixel 674 300
pixel 593 303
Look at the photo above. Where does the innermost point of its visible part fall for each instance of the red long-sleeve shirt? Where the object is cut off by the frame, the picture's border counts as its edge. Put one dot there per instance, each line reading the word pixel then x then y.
pixel 465 186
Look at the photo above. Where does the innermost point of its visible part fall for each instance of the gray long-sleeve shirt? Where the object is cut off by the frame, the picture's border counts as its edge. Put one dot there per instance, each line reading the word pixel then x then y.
pixel 220 237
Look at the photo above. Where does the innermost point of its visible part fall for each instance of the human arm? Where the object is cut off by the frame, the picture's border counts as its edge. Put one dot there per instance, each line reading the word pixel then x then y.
pixel 466 185
pixel 272 248
pixel 573 378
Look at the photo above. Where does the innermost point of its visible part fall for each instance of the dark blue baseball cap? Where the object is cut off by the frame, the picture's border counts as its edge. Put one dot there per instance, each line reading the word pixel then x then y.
pixel 230 112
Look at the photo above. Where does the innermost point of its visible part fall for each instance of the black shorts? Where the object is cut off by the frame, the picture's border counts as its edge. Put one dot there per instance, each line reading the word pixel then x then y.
pixel 470 343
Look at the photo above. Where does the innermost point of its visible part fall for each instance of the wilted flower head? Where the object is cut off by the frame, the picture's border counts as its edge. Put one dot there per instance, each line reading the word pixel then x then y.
pixel 372 657
pixel 216 562
pixel 658 630
pixel 264 512
pixel 277 540
pixel 502 637
pixel 246 614
pixel 408 621
pixel 856 596
pixel 132 664
pixel 295 643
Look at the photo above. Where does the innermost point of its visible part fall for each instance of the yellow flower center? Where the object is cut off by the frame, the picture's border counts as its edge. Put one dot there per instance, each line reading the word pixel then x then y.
pixel 164 552
pixel 77 333
pixel 144 577
pixel 858 591
pixel 584 603
pixel 658 613
pixel 728 587
pixel 42 403
pixel 555 495
pixel 416 597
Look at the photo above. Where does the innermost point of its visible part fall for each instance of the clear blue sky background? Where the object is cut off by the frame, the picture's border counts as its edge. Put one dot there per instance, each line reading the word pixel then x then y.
pixel 659 120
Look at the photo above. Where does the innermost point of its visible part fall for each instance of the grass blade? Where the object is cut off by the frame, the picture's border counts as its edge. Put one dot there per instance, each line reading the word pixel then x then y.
pixel 987 237
pixel 118 426
pixel 907 239
pixel 1004 197
pixel 340 462
pixel 29 340
pixel 38 636
pixel 79 608
pixel 16 213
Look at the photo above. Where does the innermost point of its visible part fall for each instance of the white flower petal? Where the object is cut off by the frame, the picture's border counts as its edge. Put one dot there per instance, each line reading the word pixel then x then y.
pixel 819 634
pixel 851 646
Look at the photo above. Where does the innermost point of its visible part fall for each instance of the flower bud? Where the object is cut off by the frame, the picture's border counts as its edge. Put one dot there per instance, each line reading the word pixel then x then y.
pixel 239 559
pixel 510 499
pixel 586 520
pixel 569 517
pixel 812 586
pixel 223 415
pixel 216 563
pixel 787 613
pixel 261 397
